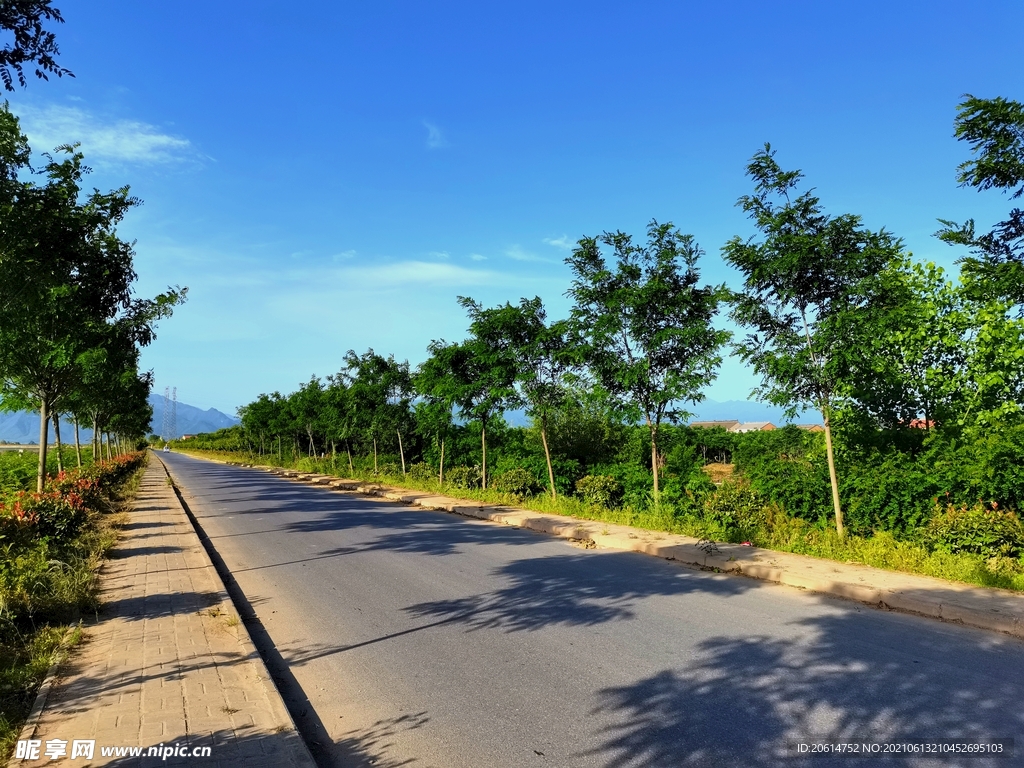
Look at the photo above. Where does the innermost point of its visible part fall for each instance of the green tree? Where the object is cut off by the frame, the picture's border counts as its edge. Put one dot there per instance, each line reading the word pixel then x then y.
pixel 379 394
pixel 337 419
pixel 439 381
pixel 543 355
pixel 805 284
pixel 909 348
pixel 257 419
pixel 307 405
pixel 994 128
pixel 490 370
pixel 646 327
pixel 65 277
pixel 32 43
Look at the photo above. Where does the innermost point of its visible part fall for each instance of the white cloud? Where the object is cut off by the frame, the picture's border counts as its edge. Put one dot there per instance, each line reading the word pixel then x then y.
pixel 477 257
pixel 120 141
pixel 517 253
pixel 418 273
pixel 562 242
pixel 344 255
pixel 439 254
pixel 434 138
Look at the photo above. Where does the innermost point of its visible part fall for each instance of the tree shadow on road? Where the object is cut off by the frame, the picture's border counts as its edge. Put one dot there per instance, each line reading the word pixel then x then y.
pixel 861 677
pixel 576 590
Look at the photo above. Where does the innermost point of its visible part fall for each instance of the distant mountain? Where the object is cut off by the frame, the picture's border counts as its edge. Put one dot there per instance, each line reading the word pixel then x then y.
pixel 745 410
pixel 190 420
pixel 23 427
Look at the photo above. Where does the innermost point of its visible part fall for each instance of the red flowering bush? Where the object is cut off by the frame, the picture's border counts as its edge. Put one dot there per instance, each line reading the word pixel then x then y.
pixel 62 509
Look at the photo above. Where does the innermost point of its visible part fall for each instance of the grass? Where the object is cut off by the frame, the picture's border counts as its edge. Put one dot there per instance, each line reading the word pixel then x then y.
pixel 23 666
pixel 45 589
pixel 18 470
pixel 774 530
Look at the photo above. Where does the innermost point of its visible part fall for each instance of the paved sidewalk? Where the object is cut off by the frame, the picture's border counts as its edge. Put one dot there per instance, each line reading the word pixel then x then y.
pixel 168 662
pixel 995 609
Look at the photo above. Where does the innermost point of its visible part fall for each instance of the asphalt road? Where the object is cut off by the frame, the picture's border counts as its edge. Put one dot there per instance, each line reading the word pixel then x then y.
pixel 406 637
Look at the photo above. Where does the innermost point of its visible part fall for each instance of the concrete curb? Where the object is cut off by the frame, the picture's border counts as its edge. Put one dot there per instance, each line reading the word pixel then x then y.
pixel 997 610
pixel 244 640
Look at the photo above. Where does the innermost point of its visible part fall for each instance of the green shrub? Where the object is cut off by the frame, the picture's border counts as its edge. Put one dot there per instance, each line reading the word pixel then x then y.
pixel 636 482
pixel 388 469
pixel 60 516
pixel 739 511
pixel 787 467
pixel 600 490
pixel 463 477
pixel 977 529
pixel 893 493
pixel 517 482
pixel 422 471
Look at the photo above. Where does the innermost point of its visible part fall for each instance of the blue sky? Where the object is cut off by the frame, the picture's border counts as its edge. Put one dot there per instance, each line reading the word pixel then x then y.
pixel 330 175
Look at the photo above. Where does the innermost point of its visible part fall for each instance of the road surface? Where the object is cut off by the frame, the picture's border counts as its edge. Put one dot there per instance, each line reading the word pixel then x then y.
pixel 406 637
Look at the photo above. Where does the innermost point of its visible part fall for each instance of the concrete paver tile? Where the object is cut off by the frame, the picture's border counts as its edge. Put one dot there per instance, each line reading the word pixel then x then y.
pixel 161 665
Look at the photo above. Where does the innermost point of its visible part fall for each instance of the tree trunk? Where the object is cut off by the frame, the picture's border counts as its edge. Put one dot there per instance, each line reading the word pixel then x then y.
pixel 280 450
pixel 483 454
pixel 825 412
pixel 440 473
pixel 96 455
pixel 44 431
pixel 654 456
pixel 78 444
pixel 832 474
pixel 55 418
pixel 401 450
pixel 348 450
pixel 375 455
pixel 110 455
pixel 547 456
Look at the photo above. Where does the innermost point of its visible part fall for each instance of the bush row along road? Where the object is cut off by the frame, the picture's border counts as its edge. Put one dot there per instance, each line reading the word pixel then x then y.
pixel 408 637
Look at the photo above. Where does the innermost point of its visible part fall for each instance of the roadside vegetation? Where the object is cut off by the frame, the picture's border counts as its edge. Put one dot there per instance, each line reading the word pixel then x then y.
pixel 51 548
pixel 915 379
pixel 71 332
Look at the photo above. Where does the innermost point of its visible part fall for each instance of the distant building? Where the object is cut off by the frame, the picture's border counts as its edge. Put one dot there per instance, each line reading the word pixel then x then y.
pixel 812 427
pixel 735 425
pixel 922 424
pixel 752 426
pixel 726 425
pixel 187 437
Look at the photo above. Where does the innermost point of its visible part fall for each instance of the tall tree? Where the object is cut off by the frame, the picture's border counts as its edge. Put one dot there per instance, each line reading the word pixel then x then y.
pixel 65 276
pixel 307 403
pixel 646 325
pixel 909 348
pixel 32 43
pixel 379 393
pixel 994 129
pixel 439 383
pixel 489 370
pixel 805 281
pixel 542 355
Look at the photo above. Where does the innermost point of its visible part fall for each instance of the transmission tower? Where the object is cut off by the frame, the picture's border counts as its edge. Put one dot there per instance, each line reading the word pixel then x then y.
pixel 170 426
